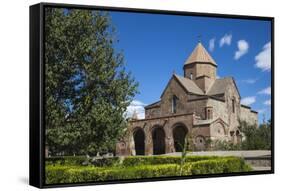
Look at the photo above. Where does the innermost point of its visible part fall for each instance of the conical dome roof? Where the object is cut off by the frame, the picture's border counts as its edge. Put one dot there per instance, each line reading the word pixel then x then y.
pixel 200 54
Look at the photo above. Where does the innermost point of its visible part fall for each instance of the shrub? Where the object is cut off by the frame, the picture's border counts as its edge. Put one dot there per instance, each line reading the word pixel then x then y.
pixel 155 160
pixel 66 160
pixel 104 162
pixel 225 145
pixel 126 162
pixel 69 174
pixel 256 138
pixel 58 174
pixel 223 165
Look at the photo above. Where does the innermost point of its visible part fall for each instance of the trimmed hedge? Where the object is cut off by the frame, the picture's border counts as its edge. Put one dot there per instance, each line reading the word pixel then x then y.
pixel 68 174
pixel 224 165
pixel 155 160
pixel 128 161
pixel 106 162
pixel 66 160
pixel 56 175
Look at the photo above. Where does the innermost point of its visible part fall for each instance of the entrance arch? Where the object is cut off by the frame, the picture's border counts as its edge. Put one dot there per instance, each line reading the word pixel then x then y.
pixel 179 134
pixel 158 137
pixel 139 141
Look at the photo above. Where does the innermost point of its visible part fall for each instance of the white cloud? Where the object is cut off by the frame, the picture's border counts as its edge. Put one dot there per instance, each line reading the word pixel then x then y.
pixel 267 102
pixel 250 81
pixel 248 100
pixel 243 47
pixel 263 59
pixel 212 44
pixel 266 91
pixel 226 39
pixel 136 106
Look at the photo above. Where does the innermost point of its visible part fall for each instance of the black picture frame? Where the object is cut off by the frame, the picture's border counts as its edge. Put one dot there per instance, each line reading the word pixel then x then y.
pixel 37 106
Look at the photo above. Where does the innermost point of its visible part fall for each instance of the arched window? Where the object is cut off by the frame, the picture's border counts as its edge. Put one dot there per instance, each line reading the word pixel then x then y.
pixel 191 76
pixel 174 104
pixel 209 112
pixel 233 105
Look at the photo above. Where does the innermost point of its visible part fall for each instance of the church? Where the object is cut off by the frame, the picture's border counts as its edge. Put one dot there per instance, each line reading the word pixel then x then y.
pixel 198 105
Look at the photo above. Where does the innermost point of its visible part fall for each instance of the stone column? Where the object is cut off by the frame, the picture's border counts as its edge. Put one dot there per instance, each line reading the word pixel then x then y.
pixel 169 140
pixel 148 143
pixel 132 145
pixel 169 144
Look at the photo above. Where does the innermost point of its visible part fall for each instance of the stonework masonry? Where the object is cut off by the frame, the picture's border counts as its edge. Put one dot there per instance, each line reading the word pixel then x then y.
pixel 197 105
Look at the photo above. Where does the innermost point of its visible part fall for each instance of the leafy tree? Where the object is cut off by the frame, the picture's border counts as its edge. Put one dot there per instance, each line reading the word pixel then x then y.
pixel 87 88
pixel 224 145
pixel 256 138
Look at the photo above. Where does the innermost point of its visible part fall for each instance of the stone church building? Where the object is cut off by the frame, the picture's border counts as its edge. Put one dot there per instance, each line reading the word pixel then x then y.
pixel 197 104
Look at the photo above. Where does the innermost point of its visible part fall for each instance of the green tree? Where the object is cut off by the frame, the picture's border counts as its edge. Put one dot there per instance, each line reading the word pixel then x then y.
pixel 256 138
pixel 87 88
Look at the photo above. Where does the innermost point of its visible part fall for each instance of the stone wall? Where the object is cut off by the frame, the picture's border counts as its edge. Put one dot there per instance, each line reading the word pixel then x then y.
pixel 219 109
pixel 198 106
pixel 206 69
pixel 126 145
pixel 200 69
pixel 219 131
pixel 189 69
pixel 204 82
pixel 200 136
pixel 152 112
pixel 233 117
pixel 248 115
pixel 166 100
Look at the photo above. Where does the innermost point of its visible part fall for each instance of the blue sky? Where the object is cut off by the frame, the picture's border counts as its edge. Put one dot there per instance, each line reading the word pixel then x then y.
pixel 156 45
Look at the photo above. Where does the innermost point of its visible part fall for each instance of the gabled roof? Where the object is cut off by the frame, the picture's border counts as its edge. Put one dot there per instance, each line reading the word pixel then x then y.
pixel 248 107
pixel 200 55
pixel 220 85
pixel 155 104
pixel 187 84
pixel 209 121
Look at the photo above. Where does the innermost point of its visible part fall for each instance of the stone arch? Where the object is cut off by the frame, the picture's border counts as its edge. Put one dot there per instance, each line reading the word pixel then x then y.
pixel 139 141
pixel 179 133
pixel 219 129
pixel 237 133
pixel 238 136
pixel 200 143
pixel 158 140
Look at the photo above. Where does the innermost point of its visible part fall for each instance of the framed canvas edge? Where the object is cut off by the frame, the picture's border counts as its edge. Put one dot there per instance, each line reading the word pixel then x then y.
pixel 35 96
pixel 34 90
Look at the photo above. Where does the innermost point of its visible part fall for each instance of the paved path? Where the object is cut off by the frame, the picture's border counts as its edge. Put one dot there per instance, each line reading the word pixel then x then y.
pixel 254 153
pixel 261 168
